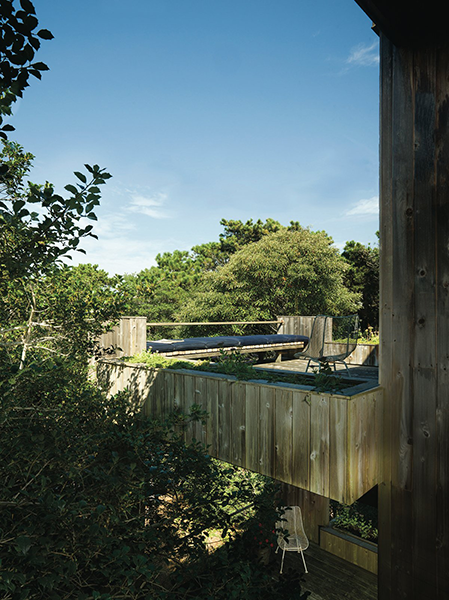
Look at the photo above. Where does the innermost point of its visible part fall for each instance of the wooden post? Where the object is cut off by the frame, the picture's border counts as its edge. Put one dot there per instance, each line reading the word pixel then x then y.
pixel 414 327
pixel 129 337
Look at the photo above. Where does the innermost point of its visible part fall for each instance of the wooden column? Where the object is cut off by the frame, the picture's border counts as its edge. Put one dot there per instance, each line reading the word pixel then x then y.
pixel 130 335
pixel 414 352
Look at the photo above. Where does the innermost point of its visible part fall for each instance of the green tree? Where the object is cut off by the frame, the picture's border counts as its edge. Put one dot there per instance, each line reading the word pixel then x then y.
pixel 19 42
pixel 37 229
pixel 161 291
pixel 158 292
pixel 363 277
pixel 288 272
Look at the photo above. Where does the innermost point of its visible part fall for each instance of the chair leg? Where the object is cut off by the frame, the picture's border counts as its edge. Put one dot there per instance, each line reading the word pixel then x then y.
pixel 304 561
pixel 282 561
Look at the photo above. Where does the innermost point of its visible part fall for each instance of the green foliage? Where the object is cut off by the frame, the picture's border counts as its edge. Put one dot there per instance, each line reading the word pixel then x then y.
pixel 98 501
pixel 37 226
pixel 287 272
pixel 156 361
pixel 359 519
pixel 363 277
pixel 326 380
pixel 240 366
pixel 159 291
pixel 45 305
pixel 235 363
pixel 19 42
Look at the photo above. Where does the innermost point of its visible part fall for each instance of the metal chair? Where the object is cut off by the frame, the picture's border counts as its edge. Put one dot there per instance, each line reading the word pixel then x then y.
pixel 326 329
pixel 291 534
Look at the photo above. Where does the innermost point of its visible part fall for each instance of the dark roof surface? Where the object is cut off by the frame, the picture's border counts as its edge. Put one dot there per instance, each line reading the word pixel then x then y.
pixel 408 23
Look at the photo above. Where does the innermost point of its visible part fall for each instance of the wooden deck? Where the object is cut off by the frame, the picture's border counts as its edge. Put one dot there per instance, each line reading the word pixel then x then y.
pixel 330 577
pixel 299 366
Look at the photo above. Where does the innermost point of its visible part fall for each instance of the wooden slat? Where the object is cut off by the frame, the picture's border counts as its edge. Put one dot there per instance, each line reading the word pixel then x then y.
pixel 399 391
pixel 212 421
pixel 301 439
pixel 338 447
pixel 252 420
pixel 442 326
pixel 266 432
pixel 425 333
pixel 319 445
pixel 283 437
pixel 385 305
pixel 238 419
pixel 224 420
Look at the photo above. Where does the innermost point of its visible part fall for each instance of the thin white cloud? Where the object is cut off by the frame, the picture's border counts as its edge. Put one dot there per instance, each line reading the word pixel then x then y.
pixel 151 206
pixel 363 55
pixel 366 207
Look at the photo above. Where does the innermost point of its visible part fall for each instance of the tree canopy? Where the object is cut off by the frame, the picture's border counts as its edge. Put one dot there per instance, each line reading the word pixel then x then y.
pixel 363 277
pixel 287 272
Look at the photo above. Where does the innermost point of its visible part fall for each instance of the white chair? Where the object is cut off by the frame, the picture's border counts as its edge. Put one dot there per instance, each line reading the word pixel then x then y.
pixel 291 534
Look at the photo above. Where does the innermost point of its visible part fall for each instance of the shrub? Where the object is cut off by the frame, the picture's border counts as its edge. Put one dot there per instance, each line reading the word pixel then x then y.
pixel 98 502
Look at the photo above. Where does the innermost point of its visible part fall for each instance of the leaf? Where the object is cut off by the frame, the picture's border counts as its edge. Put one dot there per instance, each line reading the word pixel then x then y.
pixel 44 34
pixel 92 216
pixel 80 176
pixel 23 544
pixel 27 7
pixel 35 73
pixel 40 66
pixel 71 188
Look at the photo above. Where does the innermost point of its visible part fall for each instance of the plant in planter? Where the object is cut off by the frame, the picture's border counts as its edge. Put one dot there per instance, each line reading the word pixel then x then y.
pixel 358 519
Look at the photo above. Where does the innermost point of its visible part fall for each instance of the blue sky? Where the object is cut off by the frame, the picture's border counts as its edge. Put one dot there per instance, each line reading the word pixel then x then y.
pixel 207 109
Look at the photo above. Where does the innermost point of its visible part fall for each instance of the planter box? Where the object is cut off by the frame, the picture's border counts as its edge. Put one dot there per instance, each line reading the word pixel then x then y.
pixel 324 443
pixel 349 547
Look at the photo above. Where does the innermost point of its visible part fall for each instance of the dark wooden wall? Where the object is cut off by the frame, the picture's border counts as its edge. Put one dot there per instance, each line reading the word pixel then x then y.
pixel 414 357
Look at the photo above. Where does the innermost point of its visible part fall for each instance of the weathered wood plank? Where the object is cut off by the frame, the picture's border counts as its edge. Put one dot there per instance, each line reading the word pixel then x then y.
pixel 283 437
pixel 319 444
pixel 238 418
pixel 224 420
pixel 300 476
pixel 425 333
pixel 338 446
pixel 442 340
pixel 212 421
pixel 252 421
pixel 399 380
pixel 266 432
pixel 385 305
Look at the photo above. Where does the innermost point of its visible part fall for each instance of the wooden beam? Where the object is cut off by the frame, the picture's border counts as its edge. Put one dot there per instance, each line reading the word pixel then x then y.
pixel 277 322
pixel 414 191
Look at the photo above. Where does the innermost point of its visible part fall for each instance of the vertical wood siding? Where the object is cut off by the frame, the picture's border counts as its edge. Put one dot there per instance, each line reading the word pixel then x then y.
pixel 324 444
